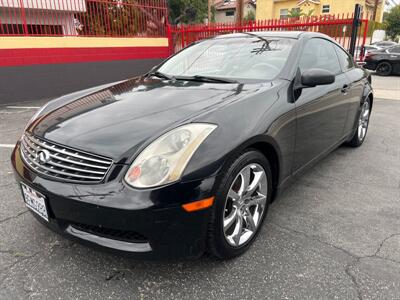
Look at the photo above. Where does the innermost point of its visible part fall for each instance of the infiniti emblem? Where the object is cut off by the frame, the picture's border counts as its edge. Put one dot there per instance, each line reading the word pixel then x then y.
pixel 43 156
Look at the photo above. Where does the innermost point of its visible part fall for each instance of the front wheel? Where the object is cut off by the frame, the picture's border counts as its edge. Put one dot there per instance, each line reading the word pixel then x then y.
pixel 242 200
pixel 362 125
pixel 384 69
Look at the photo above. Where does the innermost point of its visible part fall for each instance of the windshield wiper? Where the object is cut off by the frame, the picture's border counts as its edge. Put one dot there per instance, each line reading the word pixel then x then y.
pixel 161 75
pixel 207 79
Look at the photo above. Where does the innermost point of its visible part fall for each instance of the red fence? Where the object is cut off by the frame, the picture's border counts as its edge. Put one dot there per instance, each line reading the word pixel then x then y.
pixel 338 27
pixel 148 18
pixel 116 18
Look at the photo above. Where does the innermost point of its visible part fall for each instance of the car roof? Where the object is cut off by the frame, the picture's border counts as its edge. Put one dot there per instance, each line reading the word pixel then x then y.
pixel 284 34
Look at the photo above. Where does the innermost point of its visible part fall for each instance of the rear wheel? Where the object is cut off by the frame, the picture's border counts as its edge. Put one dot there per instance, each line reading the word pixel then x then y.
pixel 362 125
pixel 384 69
pixel 242 200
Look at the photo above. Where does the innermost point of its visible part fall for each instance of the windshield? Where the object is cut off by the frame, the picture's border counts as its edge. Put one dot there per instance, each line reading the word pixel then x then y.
pixel 251 57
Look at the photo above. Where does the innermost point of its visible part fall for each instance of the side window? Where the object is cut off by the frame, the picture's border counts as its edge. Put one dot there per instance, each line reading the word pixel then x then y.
pixel 319 54
pixel 283 13
pixel 394 50
pixel 326 9
pixel 345 59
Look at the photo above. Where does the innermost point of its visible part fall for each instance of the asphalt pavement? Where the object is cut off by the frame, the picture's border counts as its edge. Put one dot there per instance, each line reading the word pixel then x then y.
pixel 334 234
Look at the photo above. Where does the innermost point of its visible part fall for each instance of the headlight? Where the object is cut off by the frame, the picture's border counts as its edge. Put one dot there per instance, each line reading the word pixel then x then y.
pixel 165 159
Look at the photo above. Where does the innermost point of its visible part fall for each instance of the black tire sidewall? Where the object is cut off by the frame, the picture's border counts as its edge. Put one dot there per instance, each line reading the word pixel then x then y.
pixel 384 73
pixel 217 242
pixel 355 141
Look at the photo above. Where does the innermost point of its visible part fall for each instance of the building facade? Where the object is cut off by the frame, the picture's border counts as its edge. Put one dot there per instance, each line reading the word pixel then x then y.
pixel 38 17
pixel 225 10
pixel 279 9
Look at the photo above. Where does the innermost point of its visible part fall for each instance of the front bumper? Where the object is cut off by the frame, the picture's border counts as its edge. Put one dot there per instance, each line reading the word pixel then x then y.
pixel 370 65
pixel 116 217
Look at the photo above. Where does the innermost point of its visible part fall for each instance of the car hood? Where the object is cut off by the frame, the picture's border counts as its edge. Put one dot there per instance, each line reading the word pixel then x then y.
pixel 115 121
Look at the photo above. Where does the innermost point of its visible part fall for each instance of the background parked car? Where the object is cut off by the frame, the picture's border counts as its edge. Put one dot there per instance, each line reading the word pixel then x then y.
pixel 366 49
pixel 385 61
pixel 384 44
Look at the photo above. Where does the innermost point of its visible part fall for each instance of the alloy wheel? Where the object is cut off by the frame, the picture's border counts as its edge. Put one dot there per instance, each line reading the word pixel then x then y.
pixel 384 69
pixel 245 205
pixel 363 121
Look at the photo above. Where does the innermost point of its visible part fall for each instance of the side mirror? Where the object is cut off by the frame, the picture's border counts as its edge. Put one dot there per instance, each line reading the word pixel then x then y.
pixel 314 77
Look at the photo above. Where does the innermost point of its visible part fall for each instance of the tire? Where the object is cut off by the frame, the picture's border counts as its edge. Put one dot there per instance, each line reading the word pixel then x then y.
pixel 224 244
pixel 384 68
pixel 362 125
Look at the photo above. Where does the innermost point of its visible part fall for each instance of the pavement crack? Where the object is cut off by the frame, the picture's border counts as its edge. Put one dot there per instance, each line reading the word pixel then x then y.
pixel 383 242
pixel 316 239
pixel 13 217
pixel 376 254
pixel 356 259
pixel 18 261
pixel 347 271
pixel 353 278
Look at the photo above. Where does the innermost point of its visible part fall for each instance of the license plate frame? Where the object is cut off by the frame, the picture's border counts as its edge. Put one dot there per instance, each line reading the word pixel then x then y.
pixel 35 201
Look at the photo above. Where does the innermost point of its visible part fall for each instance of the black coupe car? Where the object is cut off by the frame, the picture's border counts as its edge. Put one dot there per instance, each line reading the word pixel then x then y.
pixel 188 157
pixel 385 61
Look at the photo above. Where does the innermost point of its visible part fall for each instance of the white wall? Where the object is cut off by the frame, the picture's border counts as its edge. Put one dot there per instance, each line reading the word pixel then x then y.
pixel 64 5
pixel 64 19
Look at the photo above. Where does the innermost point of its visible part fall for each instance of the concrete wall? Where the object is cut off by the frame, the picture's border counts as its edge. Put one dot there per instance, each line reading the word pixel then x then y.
pixel 45 67
pixel 27 83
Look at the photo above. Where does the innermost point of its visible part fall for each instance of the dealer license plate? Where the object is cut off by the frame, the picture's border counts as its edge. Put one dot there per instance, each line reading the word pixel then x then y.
pixel 35 201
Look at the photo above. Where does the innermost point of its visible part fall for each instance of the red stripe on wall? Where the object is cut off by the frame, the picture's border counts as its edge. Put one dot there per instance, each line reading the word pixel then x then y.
pixel 21 57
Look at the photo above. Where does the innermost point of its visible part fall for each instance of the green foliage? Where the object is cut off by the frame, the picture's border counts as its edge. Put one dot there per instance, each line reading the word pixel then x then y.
pixel 372 26
pixel 251 16
pixel 117 18
pixel 309 13
pixel 213 13
pixel 187 11
pixel 298 12
pixel 392 22
pixel 385 14
pixel 295 13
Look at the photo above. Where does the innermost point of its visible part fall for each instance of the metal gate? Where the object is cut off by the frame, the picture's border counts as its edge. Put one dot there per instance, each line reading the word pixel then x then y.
pixel 345 29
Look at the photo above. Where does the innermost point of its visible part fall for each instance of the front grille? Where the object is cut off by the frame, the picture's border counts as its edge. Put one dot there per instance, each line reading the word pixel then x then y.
pixel 62 163
pixel 115 234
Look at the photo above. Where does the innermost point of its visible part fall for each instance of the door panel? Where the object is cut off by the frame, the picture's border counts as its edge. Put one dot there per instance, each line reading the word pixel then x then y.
pixel 321 115
pixel 322 110
pixel 356 77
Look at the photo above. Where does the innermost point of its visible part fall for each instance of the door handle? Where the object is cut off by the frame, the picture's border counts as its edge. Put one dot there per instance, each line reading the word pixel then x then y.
pixel 345 89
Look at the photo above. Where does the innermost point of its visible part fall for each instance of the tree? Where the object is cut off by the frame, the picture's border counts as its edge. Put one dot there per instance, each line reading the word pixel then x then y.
pixel 187 11
pixel 213 13
pixel 309 13
pixel 251 16
pixel 120 18
pixel 295 13
pixel 392 22
pixel 298 12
